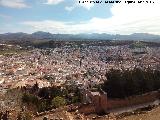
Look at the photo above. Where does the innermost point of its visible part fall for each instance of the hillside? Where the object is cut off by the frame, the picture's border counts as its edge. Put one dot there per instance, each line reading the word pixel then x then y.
pixel 94 36
pixel 154 114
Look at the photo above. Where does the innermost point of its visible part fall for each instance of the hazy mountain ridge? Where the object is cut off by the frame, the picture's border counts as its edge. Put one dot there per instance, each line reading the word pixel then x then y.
pixel 40 35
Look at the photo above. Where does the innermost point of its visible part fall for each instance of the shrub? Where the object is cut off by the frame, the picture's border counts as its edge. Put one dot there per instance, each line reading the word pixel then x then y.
pixel 58 102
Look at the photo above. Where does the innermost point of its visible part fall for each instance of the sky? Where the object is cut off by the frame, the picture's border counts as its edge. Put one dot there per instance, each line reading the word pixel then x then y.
pixel 74 16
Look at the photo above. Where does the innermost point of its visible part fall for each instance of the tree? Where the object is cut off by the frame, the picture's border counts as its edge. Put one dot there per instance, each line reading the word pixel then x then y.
pixel 29 98
pixel 114 85
pixel 120 84
pixel 35 87
pixel 44 93
pixel 58 102
pixel 42 106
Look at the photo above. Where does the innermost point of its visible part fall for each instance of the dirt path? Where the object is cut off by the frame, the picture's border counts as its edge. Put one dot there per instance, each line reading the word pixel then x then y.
pixel 151 115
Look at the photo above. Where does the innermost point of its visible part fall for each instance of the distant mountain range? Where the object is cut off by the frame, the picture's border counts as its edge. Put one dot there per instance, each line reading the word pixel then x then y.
pixel 95 36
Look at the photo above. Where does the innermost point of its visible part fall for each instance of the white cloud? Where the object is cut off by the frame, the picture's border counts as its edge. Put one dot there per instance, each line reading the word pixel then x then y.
pixel 13 3
pixel 53 2
pixel 136 17
pixel 126 19
pixel 7 17
pixel 86 5
pixel 69 8
pixel 57 27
